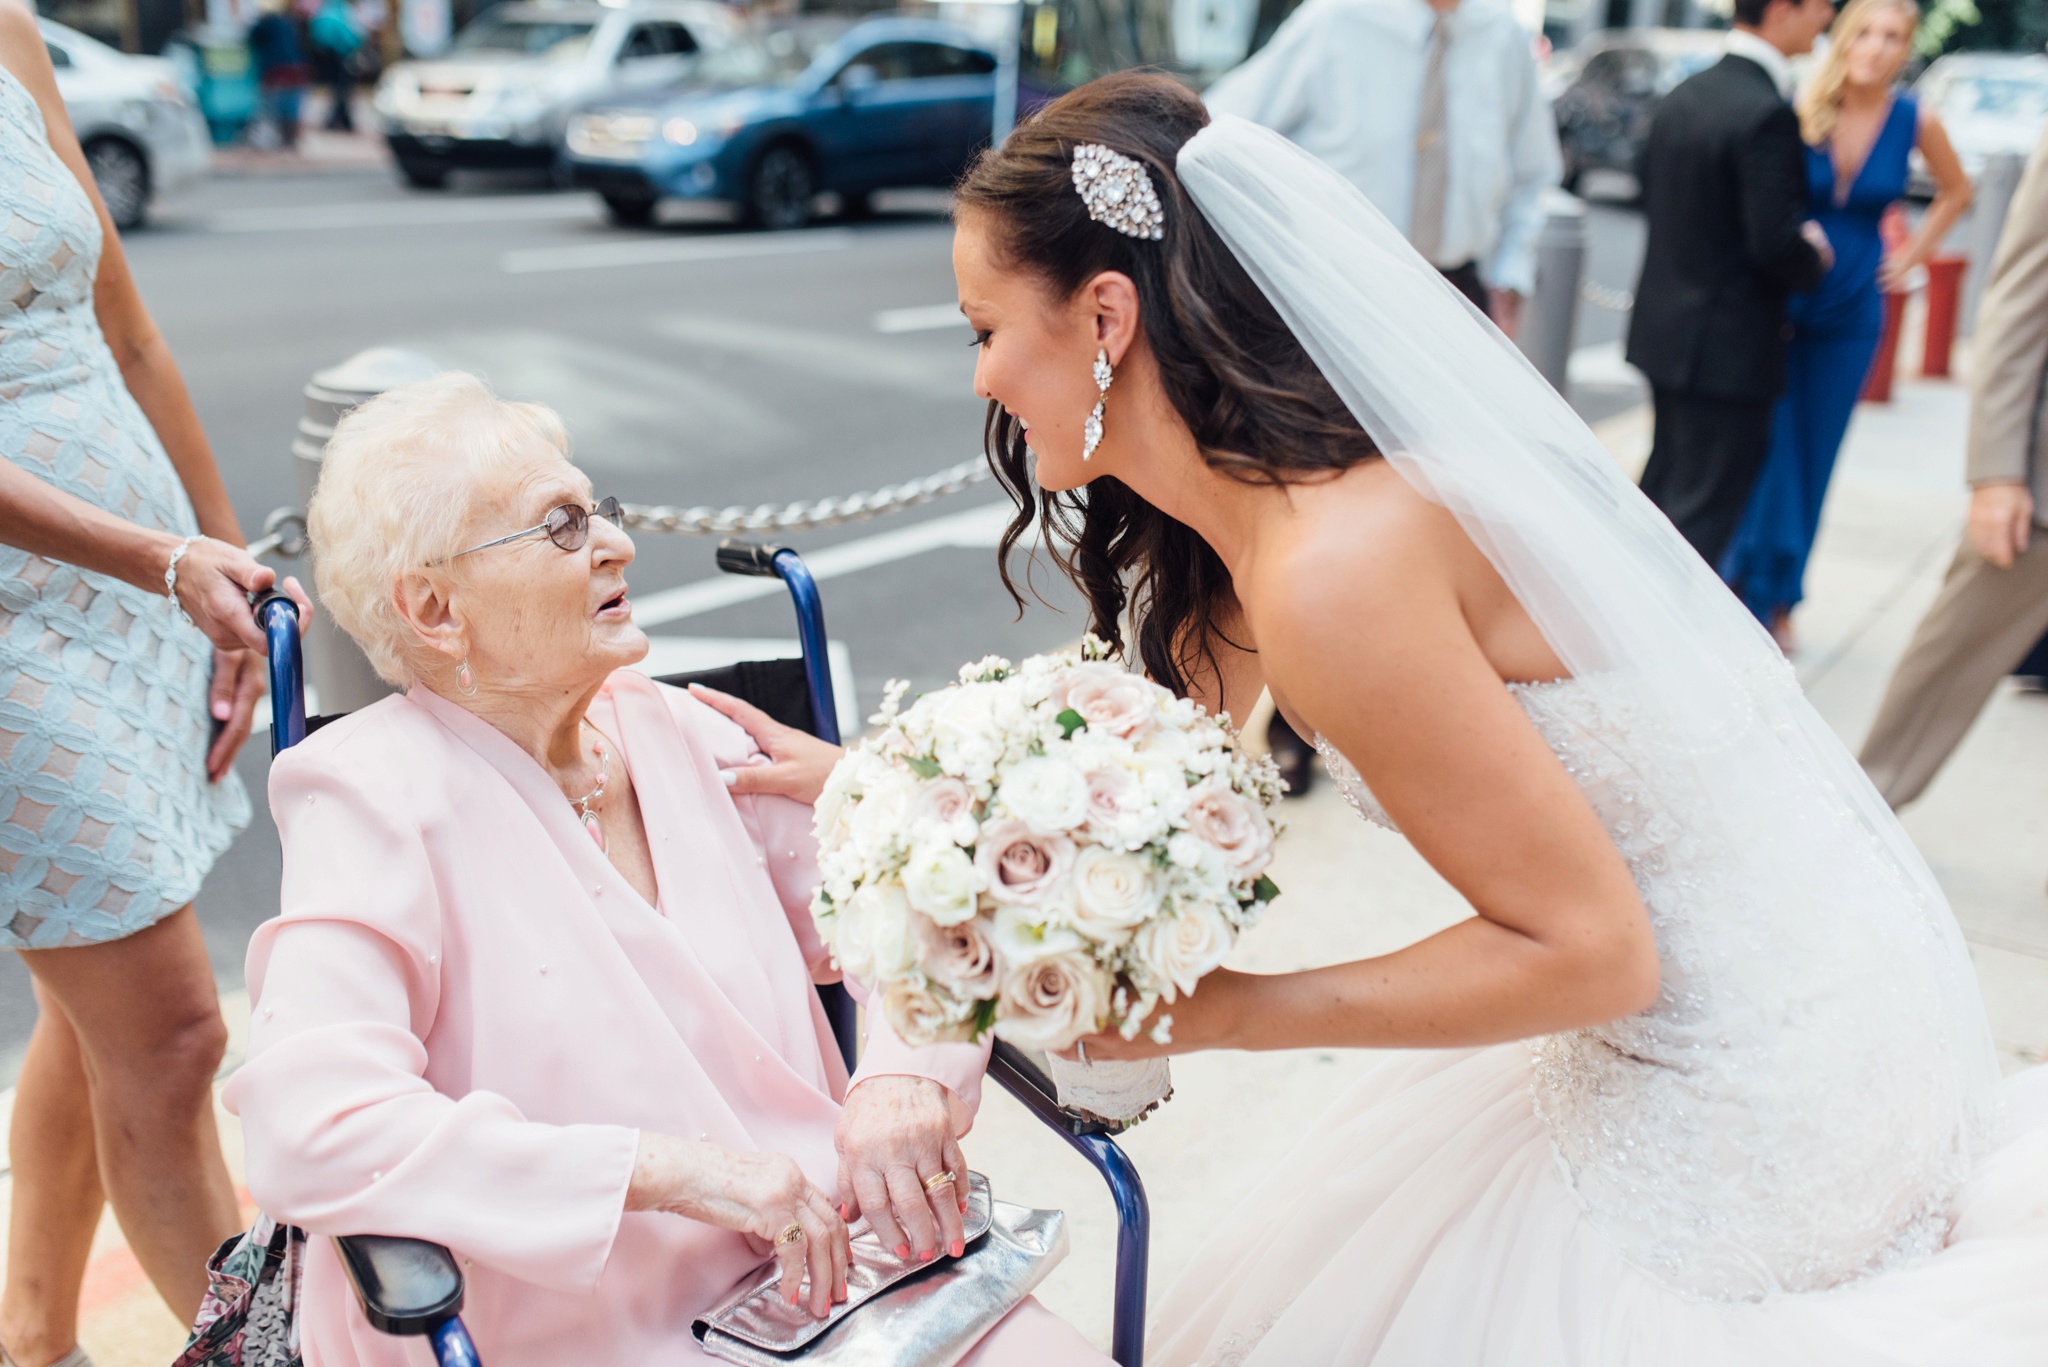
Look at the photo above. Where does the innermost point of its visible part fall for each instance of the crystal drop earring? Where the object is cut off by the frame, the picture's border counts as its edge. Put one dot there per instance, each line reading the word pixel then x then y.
pixel 465 680
pixel 1091 430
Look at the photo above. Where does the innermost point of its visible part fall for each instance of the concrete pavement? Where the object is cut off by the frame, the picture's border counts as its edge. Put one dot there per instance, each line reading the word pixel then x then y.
pixel 1352 890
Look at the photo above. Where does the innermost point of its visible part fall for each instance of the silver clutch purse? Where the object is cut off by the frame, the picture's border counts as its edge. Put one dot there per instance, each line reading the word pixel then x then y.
pixel 898 1312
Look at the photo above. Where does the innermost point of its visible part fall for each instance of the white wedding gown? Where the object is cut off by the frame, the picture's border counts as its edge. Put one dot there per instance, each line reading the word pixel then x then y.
pixel 1773 1165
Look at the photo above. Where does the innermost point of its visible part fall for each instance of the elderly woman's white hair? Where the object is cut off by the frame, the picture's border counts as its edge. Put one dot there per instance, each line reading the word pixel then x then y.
pixel 402 478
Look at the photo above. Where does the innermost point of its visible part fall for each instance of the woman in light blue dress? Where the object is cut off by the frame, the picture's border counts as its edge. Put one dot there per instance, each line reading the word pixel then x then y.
pixel 1860 133
pixel 121 709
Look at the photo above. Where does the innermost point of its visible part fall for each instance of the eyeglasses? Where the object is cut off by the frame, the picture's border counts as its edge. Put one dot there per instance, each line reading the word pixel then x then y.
pixel 567 526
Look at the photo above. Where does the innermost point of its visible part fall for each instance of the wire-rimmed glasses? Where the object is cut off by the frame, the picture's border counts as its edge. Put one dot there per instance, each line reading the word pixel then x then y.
pixel 567 526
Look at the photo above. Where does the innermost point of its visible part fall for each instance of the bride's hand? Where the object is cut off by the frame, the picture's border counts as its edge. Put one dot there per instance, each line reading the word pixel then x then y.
pixel 798 762
pixel 1207 1018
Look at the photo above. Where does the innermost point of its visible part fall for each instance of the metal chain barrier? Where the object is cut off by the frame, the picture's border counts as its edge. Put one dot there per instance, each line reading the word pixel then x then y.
pixel 1601 297
pixel 798 517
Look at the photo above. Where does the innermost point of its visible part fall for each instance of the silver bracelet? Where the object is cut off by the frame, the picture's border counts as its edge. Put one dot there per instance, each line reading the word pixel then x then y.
pixel 171 579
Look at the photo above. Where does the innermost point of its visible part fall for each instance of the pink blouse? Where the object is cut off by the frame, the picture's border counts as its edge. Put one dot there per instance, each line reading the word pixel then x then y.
pixel 464 1016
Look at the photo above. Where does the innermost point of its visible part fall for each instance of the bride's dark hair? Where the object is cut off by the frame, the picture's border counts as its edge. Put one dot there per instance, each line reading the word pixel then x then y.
pixel 1259 408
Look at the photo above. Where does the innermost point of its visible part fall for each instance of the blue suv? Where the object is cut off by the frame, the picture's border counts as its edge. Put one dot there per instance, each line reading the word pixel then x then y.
pixel 774 119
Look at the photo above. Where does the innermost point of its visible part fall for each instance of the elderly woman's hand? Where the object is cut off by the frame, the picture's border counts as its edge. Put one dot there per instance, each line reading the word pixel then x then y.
pixel 761 1195
pixel 798 762
pixel 895 1141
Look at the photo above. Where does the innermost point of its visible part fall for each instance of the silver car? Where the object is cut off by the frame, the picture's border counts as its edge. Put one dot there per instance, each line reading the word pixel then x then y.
pixel 143 135
pixel 1989 102
pixel 502 94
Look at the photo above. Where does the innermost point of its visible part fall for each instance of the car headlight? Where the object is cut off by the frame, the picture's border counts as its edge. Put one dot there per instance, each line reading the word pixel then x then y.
pixel 681 132
pixel 611 136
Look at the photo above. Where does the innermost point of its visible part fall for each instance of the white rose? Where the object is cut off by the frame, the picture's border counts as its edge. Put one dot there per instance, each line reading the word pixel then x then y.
pixel 1175 952
pixel 1048 795
pixel 1113 894
pixel 874 940
pixel 947 805
pixel 1109 699
pixel 877 820
pixel 960 958
pixel 1052 1002
pixel 923 1017
pixel 942 882
pixel 1233 827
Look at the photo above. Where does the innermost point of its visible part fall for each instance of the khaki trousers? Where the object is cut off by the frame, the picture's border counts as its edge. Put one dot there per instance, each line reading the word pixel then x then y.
pixel 1979 628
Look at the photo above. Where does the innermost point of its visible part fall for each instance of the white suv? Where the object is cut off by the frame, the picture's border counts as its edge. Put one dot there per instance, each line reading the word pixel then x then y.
pixel 141 131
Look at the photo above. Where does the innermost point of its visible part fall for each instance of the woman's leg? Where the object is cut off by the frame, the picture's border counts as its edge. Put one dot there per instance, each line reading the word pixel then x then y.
pixel 1836 368
pixel 57 1199
pixel 147 1021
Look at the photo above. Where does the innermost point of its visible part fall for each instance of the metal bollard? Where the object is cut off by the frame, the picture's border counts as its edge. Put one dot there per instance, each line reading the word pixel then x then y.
pixel 1944 294
pixel 1550 322
pixel 1995 186
pixel 340 673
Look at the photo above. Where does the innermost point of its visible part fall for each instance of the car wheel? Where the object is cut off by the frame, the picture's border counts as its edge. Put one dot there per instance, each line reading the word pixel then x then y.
pixel 779 194
pixel 424 175
pixel 123 180
pixel 630 212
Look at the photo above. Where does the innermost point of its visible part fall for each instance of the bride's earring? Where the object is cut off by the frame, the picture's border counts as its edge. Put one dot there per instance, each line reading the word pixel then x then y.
pixel 465 680
pixel 1091 430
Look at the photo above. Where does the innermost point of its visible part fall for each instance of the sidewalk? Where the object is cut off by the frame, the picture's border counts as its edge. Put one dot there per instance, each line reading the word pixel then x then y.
pixel 318 152
pixel 1353 890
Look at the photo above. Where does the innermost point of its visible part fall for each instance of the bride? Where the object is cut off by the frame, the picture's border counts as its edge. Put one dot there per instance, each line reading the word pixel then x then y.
pixel 1707 1079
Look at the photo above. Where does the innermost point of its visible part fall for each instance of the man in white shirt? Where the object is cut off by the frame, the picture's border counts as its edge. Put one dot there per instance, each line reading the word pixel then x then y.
pixel 1432 108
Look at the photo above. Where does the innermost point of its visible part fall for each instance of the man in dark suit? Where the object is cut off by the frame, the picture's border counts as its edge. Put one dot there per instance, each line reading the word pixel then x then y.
pixel 1724 191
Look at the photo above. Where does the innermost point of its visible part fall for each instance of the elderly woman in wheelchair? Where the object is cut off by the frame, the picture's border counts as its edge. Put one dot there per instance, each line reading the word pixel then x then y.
pixel 542 985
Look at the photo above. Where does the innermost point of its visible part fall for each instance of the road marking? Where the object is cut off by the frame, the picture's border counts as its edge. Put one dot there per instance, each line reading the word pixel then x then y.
pixel 402 214
pixel 975 529
pixel 666 251
pixel 924 318
pixel 853 360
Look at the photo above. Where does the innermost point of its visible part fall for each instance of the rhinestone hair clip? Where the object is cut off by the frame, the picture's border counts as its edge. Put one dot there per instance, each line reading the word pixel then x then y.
pixel 1118 192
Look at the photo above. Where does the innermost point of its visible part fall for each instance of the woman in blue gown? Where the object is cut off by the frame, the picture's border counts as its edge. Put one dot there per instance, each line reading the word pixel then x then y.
pixel 1859 133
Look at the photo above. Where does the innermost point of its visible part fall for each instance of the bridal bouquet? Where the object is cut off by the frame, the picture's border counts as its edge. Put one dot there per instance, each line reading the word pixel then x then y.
pixel 1046 850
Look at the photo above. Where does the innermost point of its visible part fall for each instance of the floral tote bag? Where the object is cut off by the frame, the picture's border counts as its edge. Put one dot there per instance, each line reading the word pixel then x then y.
pixel 250 1316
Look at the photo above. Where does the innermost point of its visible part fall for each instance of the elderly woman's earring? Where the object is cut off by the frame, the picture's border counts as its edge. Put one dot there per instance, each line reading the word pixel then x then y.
pixel 465 680
pixel 1091 430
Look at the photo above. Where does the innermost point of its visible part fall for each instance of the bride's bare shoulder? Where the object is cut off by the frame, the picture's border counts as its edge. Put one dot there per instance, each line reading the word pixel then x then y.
pixel 1364 541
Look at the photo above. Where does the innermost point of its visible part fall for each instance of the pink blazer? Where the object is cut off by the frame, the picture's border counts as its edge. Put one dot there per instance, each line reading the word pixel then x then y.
pixel 464 1016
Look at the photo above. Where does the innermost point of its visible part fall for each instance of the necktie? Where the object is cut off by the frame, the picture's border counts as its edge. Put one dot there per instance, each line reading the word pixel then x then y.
pixel 1432 152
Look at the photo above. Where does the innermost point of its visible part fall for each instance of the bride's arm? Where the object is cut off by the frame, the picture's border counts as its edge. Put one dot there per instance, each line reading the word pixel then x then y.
pixel 1370 641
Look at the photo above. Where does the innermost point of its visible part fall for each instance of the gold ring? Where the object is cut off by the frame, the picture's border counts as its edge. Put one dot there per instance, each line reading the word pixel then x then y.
pixel 792 1235
pixel 937 1180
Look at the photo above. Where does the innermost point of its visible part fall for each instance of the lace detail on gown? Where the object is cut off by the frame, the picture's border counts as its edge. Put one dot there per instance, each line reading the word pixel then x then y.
pixel 1779 1119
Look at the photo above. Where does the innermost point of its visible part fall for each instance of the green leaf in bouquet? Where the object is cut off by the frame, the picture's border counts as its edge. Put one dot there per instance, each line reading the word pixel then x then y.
pixel 984 1018
pixel 1265 890
pixel 1070 721
pixel 922 767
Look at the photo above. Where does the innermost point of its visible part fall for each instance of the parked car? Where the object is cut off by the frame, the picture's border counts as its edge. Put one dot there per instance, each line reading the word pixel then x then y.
pixel 1988 101
pixel 1605 90
pixel 890 102
pixel 501 94
pixel 141 129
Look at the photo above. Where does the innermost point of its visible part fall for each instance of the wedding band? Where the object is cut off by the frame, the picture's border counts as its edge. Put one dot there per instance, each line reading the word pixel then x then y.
pixel 793 1235
pixel 937 1180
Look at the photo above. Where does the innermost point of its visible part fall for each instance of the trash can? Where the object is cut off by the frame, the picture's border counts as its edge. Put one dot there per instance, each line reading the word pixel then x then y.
pixel 339 672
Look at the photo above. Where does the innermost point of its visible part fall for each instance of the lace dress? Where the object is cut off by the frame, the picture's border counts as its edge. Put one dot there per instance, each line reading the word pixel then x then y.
pixel 107 821
pixel 1767 1167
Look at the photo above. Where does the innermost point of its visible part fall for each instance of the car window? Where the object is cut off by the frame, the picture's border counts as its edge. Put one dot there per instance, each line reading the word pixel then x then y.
pixel 59 58
pixel 941 59
pixel 657 40
pixel 889 61
pixel 529 37
pixel 2006 97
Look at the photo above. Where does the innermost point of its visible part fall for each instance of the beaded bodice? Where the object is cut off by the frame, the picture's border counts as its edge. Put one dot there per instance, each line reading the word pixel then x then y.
pixel 1778 1119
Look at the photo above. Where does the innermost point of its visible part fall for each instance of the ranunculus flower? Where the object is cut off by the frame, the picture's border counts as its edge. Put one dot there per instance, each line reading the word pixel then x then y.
pixel 1226 822
pixel 946 804
pixel 1175 952
pixel 942 882
pixel 1048 795
pixel 1053 1002
pixel 1022 867
pixel 1109 699
pixel 960 958
pixel 876 820
pixel 1113 893
pixel 873 940
pixel 921 1017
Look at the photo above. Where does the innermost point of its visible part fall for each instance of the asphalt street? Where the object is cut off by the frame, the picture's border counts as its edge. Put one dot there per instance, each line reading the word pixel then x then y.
pixel 692 363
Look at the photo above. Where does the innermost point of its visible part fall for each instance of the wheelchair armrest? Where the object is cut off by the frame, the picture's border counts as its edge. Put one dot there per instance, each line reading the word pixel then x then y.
pixel 406 1286
pixel 1026 1081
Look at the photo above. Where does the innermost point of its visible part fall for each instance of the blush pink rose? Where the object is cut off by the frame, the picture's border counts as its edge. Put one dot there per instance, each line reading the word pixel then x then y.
pixel 961 958
pixel 1022 868
pixel 1219 817
pixel 1113 701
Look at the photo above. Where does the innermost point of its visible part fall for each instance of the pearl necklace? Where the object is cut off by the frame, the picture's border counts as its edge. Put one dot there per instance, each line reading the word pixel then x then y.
pixel 584 805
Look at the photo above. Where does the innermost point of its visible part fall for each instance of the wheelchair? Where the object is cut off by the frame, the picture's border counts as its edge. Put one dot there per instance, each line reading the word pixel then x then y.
pixel 412 1287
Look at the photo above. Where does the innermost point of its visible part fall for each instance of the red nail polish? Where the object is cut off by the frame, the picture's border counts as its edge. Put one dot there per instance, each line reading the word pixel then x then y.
pixel 903 1250
pixel 959 1247
pixel 924 1255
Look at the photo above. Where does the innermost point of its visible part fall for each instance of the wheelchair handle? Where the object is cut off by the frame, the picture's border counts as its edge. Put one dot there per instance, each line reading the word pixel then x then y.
pixel 278 618
pixel 761 559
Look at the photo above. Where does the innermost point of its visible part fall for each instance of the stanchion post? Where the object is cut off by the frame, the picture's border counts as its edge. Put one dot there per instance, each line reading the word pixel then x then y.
pixel 1944 297
pixel 338 670
pixel 1550 322
pixel 1994 191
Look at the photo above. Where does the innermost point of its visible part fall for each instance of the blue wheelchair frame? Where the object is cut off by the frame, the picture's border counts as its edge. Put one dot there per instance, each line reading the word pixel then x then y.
pixel 413 1287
